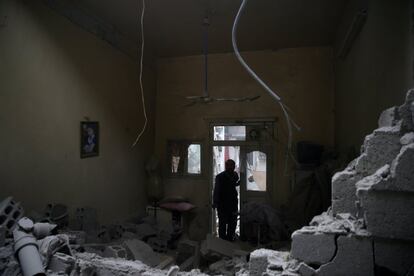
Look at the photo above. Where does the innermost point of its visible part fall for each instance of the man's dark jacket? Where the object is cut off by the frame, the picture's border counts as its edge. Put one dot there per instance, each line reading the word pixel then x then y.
pixel 225 193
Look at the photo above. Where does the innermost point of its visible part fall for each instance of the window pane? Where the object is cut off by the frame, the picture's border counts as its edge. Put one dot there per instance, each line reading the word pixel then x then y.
pixel 256 171
pixel 229 133
pixel 194 159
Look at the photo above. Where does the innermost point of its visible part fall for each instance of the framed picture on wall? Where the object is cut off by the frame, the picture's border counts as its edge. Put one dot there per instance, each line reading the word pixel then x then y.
pixel 89 139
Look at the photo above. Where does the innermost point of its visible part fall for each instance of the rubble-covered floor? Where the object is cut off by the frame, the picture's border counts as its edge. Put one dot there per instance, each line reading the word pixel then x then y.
pixel 369 230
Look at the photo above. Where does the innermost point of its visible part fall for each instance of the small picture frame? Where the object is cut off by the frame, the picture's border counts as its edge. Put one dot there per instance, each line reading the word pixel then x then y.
pixel 89 145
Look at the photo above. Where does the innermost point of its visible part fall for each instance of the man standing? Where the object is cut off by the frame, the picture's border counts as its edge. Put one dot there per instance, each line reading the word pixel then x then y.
pixel 225 199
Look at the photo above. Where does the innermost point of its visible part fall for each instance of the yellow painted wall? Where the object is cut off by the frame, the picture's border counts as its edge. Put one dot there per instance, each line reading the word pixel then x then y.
pixel 302 76
pixel 52 75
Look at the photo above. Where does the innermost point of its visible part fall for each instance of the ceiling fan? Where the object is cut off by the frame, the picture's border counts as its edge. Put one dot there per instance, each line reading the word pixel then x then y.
pixel 206 98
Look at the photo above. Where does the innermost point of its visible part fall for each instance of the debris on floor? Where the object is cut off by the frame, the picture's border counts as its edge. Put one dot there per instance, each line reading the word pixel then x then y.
pixel 368 230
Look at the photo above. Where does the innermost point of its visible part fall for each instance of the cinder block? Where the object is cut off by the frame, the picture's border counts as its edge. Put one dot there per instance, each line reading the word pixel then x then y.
pixel 379 149
pixel 313 248
pixel 388 214
pixel 344 192
pixel 354 257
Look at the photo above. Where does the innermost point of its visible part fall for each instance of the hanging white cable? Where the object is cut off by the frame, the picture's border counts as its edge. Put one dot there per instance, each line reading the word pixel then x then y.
pixel 140 76
pixel 285 109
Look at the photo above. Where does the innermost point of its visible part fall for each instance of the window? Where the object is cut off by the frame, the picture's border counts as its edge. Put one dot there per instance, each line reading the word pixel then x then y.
pixel 256 171
pixel 229 133
pixel 184 158
pixel 194 159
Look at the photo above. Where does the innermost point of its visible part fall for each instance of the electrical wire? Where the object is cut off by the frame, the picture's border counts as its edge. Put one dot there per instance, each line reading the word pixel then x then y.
pixel 140 76
pixel 289 121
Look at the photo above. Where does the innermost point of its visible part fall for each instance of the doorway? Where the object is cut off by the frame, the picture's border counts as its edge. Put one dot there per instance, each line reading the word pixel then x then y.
pixel 253 158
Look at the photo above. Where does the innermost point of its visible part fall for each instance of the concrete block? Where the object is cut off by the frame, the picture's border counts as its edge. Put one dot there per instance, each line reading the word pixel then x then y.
pixel 10 212
pixel 380 148
pixel 263 259
pixel 396 256
pixel 388 214
pixel 316 248
pixel 354 257
pixel 388 117
pixel 344 191
pixel 305 270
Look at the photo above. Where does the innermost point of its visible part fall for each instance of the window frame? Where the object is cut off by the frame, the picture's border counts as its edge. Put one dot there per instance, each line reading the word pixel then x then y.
pixel 184 143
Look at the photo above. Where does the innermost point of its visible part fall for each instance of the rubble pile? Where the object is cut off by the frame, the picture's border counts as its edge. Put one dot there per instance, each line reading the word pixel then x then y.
pixel 369 229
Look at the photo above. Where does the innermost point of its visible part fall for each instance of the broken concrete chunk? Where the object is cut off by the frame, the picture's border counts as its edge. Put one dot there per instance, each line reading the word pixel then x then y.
pixel 380 148
pixel 408 138
pixel 354 257
pixel 344 192
pixel 263 259
pixel 141 251
pixel 10 212
pixel 406 113
pixel 305 270
pixel 61 263
pixel 388 117
pixel 317 248
pixel 388 215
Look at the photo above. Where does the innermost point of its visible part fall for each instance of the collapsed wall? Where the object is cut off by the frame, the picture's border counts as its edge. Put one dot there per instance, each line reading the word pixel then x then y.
pixel 370 228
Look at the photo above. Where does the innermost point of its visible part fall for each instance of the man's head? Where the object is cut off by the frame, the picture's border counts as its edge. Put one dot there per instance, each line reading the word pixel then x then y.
pixel 230 165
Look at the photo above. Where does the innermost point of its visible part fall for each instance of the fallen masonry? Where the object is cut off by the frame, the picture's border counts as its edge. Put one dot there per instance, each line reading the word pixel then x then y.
pixel 368 230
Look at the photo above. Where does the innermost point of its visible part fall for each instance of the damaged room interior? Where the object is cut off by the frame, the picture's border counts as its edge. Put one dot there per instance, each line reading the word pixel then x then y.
pixel 207 137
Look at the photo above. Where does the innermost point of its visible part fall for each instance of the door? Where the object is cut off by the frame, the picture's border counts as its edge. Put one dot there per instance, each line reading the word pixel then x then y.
pixel 255 179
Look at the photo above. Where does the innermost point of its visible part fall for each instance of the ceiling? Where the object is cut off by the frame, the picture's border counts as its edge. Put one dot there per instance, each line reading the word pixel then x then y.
pixel 174 27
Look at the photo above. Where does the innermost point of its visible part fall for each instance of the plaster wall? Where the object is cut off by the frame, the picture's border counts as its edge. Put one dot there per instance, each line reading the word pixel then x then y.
pixel 52 76
pixel 302 76
pixel 377 71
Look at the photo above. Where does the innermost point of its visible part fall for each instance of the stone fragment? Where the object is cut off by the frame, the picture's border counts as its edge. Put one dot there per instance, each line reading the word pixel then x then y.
pixel 408 138
pixel 317 248
pixel 406 112
pixel 305 270
pixel 141 251
pixel 263 259
pixel 396 256
pixel 344 192
pixel 354 257
pixel 379 149
pixel 388 117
